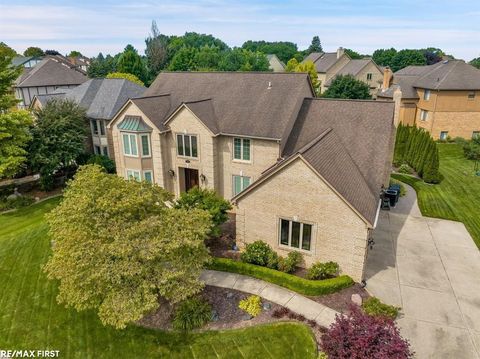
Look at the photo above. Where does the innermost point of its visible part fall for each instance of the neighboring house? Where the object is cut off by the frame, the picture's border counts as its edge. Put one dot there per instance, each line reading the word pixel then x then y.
pixel 331 64
pixel 26 61
pixel 443 98
pixel 304 174
pixel 44 78
pixel 81 62
pixel 275 64
pixel 102 98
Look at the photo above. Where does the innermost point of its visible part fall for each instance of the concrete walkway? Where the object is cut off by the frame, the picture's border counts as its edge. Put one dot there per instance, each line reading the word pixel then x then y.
pixel 430 268
pixel 297 303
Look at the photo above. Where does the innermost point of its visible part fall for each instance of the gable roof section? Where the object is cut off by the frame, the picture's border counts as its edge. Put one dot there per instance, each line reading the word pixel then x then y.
pixel 205 112
pixel 156 108
pixel 102 98
pixel 50 72
pixel 256 104
pixel 364 127
pixel 353 67
pixel 405 82
pixel 323 60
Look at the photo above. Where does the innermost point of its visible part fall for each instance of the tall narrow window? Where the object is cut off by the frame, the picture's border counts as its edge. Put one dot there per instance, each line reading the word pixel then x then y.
pixel 426 95
pixel 102 127
pixel 147 176
pixel 105 150
pixel 130 144
pixel 241 149
pixel 295 234
pixel 423 115
pixel 94 126
pixel 444 135
pixel 240 183
pixel 369 76
pixel 187 145
pixel 145 145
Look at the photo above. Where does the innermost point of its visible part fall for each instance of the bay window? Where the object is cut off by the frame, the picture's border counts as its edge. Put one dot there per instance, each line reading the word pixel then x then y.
pixel 130 144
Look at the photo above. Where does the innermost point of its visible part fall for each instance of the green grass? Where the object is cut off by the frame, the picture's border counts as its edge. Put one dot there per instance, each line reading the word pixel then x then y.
pixel 290 281
pixel 31 319
pixel 457 196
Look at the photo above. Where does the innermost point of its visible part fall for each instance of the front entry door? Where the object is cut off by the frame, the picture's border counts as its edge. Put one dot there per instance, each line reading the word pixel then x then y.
pixel 191 178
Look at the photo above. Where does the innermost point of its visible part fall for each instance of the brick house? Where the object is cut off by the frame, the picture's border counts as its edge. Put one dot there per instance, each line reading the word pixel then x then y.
pixel 442 98
pixel 303 173
pixel 331 64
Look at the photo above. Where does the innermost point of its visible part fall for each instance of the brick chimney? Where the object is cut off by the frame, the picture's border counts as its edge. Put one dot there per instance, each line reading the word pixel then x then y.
pixel 387 78
pixel 397 98
pixel 340 52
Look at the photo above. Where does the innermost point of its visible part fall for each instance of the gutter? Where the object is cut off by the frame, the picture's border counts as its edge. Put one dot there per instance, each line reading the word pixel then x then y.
pixel 377 214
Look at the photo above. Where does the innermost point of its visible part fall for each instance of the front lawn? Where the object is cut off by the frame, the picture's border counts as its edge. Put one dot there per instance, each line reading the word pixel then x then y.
pixel 457 196
pixel 31 319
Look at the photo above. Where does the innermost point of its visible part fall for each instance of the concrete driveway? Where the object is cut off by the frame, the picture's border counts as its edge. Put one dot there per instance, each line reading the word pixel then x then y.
pixel 430 268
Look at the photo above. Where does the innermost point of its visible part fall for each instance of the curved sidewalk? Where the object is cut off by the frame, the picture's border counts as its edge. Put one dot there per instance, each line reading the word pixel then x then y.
pixel 297 303
pixel 430 267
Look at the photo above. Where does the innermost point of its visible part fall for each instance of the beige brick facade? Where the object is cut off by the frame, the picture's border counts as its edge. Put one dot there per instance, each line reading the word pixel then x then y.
pixel 296 192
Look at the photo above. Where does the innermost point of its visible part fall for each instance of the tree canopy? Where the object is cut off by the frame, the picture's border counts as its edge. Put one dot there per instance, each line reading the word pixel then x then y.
pixel 14 124
pixel 307 66
pixel 475 62
pixel 283 49
pixel 33 51
pixel 131 62
pixel 59 138
pixel 122 75
pixel 353 54
pixel 315 46
pixel 117 247
pixel 348 87
pixel 7 51
pixel 74 53
pixel 101 66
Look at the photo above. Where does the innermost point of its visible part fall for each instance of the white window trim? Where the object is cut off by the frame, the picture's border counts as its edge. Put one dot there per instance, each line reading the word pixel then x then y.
pixel 149 145
pixel 183 136
pixel 288 247
pixel 446 136
pixel 422 117
pixel 132 170
pixel 233 183
pixel 130 144
pixel 241 150
pixel 151 175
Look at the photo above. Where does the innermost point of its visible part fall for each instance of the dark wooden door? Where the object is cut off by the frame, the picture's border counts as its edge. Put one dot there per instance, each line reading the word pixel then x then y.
pixel 191 178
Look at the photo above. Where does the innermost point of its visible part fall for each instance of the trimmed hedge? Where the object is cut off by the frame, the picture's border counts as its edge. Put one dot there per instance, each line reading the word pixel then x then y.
pixel 292 282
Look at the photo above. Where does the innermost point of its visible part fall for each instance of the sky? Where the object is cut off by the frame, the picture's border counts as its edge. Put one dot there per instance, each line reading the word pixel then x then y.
pixel 108 26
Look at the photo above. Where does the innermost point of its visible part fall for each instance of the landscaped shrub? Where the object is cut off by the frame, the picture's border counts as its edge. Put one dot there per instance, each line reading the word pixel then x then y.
pixel 18 202
pixel 358 336
pixel 209 201
pixel 104 161
pixel 404 168
pixel 191 314
pixel 259 253
pixel 272 260
pixel 252 305
pixel 323 270
pixel 417 148
pixel 471 149
pixel 292 261
pixel 373 306
pixel 290 281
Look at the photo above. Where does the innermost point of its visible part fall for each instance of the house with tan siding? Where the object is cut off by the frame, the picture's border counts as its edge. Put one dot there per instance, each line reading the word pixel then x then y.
pixel 302 173
pixel 331 64
pixel 443 98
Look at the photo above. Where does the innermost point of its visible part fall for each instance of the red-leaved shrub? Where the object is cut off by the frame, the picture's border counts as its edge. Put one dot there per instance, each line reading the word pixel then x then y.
pixel 358 336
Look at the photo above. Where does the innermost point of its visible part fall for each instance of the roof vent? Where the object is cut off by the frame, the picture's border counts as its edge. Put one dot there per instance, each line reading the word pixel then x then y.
pixel 269 85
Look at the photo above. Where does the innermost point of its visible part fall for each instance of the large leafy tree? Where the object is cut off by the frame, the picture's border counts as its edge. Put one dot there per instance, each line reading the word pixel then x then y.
pixel 14 124
pixel 122 75
pixel 131 62
pixel 156 51
pixel 243 60
pixel 353 54
pixel 101 66
pixel 315 46
pixel 348 87
pixel 184 60
pixel 33 51
pixel 59 138
pixel 383 57
pixel 407 57
pixel 433 55
pixel 307 66
pixel 74 53
pixel 118 247
pixel 7 51
pixel 283 49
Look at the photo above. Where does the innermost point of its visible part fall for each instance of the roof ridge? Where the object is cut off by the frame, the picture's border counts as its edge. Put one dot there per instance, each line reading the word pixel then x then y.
pixel 455 64
pixel 345 99
pixel 197 101
pixel 151 96
pixel 314 141
pixel 234 72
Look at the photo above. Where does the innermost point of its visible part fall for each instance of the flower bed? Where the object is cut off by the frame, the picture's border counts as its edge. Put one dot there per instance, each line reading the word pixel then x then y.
pixel 292 282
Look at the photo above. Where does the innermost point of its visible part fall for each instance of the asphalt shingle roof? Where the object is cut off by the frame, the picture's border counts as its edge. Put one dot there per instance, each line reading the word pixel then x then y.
pixel 102 98
pixel 322 60
pixel 50 72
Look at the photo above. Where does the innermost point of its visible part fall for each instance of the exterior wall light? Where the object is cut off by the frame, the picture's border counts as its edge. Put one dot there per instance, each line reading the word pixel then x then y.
pixel 203 178
pixel 171 173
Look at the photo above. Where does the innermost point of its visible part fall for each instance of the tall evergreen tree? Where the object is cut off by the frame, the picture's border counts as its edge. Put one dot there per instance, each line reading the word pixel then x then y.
pixel 315 46
pixel 131 62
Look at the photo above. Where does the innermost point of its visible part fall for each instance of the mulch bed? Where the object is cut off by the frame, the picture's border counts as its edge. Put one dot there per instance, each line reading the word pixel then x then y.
pixel 342 300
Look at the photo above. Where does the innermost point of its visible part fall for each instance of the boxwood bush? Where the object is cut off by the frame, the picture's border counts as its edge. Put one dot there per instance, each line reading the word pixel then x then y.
pixel 290 281
pixel 373 306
